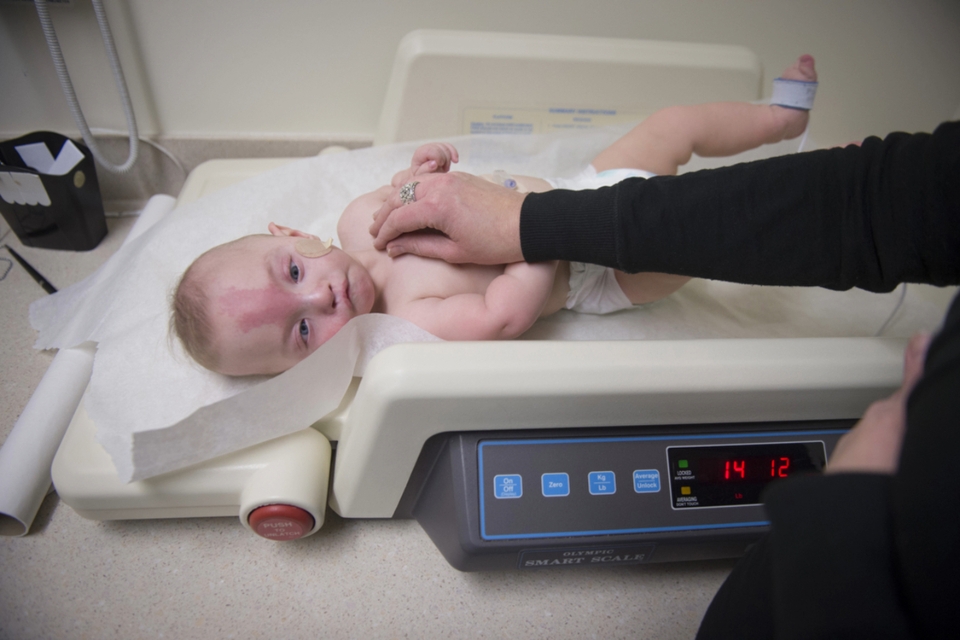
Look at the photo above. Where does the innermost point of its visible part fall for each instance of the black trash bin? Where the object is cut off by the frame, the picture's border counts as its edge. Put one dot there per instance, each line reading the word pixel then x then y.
pixel 51 211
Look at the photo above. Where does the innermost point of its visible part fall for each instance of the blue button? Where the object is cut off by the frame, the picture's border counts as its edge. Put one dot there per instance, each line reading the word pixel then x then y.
pixel 555 484
pixel 602 483
pixel 646 481
pixel 507 486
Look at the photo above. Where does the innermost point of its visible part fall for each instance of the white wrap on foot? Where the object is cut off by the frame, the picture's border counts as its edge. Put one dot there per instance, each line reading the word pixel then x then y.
pixel 793 94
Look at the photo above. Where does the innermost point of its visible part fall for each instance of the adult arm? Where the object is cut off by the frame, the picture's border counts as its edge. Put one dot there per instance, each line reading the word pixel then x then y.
pixel 827 567
pixel 868 216
pixel 924 499
pixel 826 570
pixel 832 545
pixel 864 553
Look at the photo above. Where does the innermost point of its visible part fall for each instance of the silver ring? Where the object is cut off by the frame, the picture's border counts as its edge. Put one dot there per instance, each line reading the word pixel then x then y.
pixel 408 192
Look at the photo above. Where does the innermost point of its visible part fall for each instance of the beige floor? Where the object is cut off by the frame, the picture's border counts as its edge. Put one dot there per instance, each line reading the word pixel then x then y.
pixel 209 578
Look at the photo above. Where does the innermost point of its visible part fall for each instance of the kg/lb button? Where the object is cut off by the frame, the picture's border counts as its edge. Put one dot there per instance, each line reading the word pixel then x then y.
pixel 555 485
pixel 507 486
pixel 602 483
pixel 646 481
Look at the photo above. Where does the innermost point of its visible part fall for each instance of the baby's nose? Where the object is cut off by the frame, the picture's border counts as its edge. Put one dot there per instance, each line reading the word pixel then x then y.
pixel 321 300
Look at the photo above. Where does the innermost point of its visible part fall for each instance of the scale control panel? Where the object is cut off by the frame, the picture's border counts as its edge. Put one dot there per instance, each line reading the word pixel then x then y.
pixel 561 487
pixel 620 495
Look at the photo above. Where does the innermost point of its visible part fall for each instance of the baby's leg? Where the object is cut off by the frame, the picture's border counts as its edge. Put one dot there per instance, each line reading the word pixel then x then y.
pixel 666 140
pixel 642 288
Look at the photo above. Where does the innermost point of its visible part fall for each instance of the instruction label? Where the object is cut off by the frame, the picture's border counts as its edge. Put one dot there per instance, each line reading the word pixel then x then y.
pixel 479 120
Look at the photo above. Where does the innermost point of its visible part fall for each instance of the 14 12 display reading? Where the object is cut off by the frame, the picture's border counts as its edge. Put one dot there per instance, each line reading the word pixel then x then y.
pixel 727 469
pixel 723 475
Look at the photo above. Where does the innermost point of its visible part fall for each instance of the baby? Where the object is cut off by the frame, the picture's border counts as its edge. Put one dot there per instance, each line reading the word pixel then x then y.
pixel 263 303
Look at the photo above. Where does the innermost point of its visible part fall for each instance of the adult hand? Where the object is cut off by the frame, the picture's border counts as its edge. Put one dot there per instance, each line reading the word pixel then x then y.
pixel 456 217
pixel 873 445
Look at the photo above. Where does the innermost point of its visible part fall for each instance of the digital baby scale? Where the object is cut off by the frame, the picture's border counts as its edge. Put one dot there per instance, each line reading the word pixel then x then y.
pixel 533 454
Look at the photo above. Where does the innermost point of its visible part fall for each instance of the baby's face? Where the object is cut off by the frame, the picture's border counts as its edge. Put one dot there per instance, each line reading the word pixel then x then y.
pixel 271 307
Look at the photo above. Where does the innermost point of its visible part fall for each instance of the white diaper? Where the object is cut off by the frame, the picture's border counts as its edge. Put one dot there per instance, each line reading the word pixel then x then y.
pixel 590 179
pixel 594 289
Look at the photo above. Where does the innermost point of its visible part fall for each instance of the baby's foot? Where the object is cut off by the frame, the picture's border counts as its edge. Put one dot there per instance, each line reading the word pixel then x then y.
pixel 795 120
pixel 802 69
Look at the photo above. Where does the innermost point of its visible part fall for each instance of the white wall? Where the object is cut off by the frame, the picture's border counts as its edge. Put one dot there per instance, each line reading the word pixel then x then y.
pixel 319 68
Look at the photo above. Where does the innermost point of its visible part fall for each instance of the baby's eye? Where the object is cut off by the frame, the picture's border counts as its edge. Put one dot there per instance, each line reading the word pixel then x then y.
pixel 294 272
pixel 304 332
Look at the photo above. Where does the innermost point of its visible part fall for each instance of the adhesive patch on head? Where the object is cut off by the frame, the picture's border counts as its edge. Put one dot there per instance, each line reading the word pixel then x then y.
pixel 313 247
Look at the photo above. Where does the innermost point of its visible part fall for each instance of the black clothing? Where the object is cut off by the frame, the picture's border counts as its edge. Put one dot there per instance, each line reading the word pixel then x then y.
pixel 863 555
pixel 870 217
pixel 849 555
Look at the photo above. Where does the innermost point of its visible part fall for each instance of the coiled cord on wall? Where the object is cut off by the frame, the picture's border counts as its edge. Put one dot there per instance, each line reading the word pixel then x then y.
pixel 903 295
pixel 54 45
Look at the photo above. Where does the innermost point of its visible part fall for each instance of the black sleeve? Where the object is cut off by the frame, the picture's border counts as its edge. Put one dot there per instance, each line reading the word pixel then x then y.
pixel 834 560
pixel 871 216
pixel 926 489
pixel 862 555
pixel 826 570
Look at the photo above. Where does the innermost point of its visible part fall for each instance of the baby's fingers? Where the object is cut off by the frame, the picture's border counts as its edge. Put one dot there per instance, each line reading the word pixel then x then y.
pixel 451 156
pixel 430 166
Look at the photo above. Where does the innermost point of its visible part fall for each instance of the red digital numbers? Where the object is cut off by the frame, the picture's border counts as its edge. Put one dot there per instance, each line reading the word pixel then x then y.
pixel 737 469
pixel 779 470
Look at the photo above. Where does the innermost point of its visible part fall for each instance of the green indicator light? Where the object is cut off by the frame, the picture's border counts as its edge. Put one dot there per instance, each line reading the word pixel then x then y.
pixel 682 464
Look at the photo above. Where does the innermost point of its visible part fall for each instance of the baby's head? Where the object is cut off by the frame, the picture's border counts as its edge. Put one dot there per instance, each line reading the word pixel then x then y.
pixel 263 303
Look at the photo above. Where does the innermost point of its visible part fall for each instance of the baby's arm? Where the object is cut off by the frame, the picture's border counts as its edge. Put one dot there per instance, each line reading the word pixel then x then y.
pixel 510 306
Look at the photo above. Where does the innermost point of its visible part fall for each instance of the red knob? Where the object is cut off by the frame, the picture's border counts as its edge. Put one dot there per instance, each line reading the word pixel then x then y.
pixel 280 522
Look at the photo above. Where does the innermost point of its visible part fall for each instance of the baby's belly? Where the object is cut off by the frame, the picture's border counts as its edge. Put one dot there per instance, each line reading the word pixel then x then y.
pixel 415 278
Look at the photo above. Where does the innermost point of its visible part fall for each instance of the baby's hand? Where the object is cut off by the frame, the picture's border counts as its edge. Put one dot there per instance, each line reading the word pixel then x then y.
pixel 433 157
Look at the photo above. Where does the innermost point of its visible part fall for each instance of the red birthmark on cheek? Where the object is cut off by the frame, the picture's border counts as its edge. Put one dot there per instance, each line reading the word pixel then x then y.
pixel 253 308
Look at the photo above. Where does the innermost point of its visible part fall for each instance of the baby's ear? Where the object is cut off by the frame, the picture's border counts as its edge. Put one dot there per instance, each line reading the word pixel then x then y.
pixel 280 230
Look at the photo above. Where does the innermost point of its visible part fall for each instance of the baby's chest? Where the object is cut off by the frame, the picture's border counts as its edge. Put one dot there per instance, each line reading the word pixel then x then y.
pixel 415 278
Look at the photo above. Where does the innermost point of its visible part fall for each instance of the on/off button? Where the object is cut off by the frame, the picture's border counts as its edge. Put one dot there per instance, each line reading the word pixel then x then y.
pixel 507 486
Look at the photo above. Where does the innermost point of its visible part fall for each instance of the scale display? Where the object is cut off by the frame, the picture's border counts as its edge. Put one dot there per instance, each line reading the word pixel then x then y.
pixel 732 475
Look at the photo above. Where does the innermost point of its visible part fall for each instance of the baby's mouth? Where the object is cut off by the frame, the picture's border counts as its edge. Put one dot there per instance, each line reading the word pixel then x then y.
pixel 344 294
